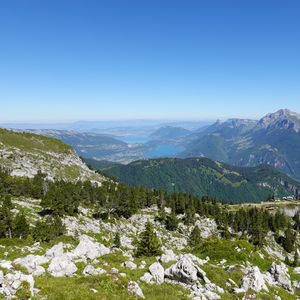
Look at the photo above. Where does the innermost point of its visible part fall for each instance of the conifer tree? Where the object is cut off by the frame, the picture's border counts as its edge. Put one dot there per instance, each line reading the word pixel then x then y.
pixel 20 226
pixel 148 244
pixel 117 240
pixel 296 259
pixel 195 238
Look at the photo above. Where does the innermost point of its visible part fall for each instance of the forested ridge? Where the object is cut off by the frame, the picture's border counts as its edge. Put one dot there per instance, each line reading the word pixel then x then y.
pixel 115 200
pixel 204 177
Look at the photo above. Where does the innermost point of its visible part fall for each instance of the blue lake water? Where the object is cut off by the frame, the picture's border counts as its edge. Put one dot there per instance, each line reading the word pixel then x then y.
pixel 164 150
pixel 133 139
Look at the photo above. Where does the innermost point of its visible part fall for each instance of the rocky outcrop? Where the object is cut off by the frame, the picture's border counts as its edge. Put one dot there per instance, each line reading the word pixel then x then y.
pixel 11 282
pixel 253 280
pixel 279 275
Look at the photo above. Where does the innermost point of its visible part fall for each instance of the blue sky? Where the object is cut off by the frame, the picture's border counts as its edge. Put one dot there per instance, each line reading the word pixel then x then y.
pixel 105 60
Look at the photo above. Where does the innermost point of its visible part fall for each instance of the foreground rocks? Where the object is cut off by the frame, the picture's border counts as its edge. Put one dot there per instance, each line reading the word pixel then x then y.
pixel 11 282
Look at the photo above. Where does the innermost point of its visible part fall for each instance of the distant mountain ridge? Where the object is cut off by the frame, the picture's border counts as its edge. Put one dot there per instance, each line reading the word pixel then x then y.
pixel 273 140
pixel 202 176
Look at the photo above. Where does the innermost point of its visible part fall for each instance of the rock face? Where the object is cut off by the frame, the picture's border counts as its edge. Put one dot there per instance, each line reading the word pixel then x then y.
pixel 279 275
pixel 135 289
pixel 185 271
pixel 11 282
pixel 89 249
pixel 62 266
pixel 253 280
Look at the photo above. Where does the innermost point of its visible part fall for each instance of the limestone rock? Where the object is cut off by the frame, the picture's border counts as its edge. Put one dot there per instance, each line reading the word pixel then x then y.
pixel 280 276
pixel 253 280
pixel 168 256
pixel 130 265
pixel 11 282
pixel 158 273
pixel 62 266
pixel 135 289
pixel 91 270
pixel 186 271
pixel 33 263
pixel 89 249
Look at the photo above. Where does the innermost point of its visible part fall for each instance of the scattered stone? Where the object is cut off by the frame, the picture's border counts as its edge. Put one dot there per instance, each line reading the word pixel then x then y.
pixel 91 270
pixel 135 289
pixel 130 265
pixel 114 271
pixel 142 265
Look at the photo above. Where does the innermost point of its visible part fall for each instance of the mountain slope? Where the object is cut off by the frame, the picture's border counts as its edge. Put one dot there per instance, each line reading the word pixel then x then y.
pixel 273 140
pixel 24 154
pixel 202 176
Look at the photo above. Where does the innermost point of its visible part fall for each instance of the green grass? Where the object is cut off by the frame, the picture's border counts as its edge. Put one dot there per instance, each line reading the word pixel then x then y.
pixel 30 141
pixel 218 249
pixel 76 288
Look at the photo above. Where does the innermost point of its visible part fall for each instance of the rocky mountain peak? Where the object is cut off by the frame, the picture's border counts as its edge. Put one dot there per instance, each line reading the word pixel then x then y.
pixel 281 119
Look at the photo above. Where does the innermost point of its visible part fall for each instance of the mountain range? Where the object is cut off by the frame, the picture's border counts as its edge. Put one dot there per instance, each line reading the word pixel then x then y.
pixel 272 140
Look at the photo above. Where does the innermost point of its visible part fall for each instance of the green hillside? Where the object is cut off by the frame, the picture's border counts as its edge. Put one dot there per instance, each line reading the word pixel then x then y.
pixel 202 176
pixel 25 154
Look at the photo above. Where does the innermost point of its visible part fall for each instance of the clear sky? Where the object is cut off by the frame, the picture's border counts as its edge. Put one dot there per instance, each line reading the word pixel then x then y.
pixel 63 60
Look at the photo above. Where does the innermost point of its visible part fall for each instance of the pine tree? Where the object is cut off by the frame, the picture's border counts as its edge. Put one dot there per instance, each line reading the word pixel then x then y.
pixel 117 240
pixel 20 226
pixel 195 238
pixel 296 259
pixel 148 244
pixel 171 222
pixel 289 240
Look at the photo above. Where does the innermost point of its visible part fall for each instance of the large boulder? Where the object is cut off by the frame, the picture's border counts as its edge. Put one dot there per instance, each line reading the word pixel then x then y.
pixel 252 280
pixel 156 274
pixel 186 271
pixel 89 249
pixel 134 288
pixel 279 275
pixel 62 266
pixel 56 250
